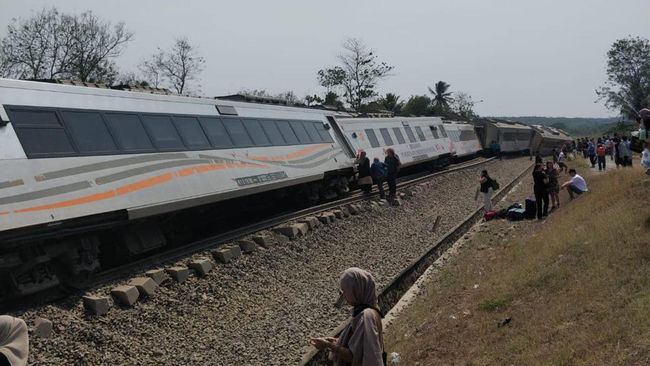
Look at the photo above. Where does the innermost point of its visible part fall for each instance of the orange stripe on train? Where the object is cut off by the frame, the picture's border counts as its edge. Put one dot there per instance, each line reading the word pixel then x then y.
pixel 297 154
pixel 133 187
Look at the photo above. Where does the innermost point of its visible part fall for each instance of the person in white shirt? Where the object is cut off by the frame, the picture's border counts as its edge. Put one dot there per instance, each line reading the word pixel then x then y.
pixel 575 185
pixel 645 158
pixel 560 161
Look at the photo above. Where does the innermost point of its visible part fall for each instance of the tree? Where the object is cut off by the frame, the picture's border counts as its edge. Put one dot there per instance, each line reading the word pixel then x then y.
pixel 332 100
pixel 390 102
pixel 177 67
pixel 417 105
pixel 441 96
pixel 463 105
pixel 358 74
pixel 53 45
pixel 627 88
pixel 313 100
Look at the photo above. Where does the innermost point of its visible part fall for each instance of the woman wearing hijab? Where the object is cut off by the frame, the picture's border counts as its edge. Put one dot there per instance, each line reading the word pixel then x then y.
pixel 365 180
pixel 14 344
pixel 361 342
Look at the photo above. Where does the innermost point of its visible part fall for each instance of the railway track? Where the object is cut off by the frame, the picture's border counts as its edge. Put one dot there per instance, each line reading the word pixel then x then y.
pixel 395 289
pixel 175 254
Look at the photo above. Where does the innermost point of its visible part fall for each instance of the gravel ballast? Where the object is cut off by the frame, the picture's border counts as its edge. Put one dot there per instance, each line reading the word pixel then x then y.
pixel 261 308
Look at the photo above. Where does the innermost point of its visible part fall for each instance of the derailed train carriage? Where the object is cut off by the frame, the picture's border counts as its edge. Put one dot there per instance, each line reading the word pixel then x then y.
pixel 93 176
pixel 546 139
pixel 513 137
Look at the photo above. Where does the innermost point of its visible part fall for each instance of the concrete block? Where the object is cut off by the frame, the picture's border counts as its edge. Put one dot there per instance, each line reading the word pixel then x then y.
pixel 202 266
pixel 97 305
pixel 235 251
pixel 158 275
pixel 125 294
pixel 324 219
pixel 311 221
pixel 247 246
pixel 263 240
pixel 345 211
pixel 145 285
pixel 359 208
pixel 338 214
pixel 292 231
pixel 179 274
pixel 352 209
pixel 42 328
pixel 222 255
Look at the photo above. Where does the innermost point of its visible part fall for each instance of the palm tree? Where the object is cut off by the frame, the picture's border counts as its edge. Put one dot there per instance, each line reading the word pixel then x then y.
pixel 441 97
pixel 390 102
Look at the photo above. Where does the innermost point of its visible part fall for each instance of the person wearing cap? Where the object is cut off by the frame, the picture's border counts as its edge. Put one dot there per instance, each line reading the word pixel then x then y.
pixel 14 341
pixel 361 342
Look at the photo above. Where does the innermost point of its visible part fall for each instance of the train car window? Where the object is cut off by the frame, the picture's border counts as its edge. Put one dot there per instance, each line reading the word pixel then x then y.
pixel 324 135
pixel 523 136
pixel 237 132
pixel 398 135
pixel 300 131
pixel 162 132
pixel 435 133
pixel 372 138
pixel 387 139
pixel 191 132
pixel 273 132
pixel 466 135
pixel 409 133
pixel 129 133
pixel 40 133
pixel 89 132
pixel 443 132
pixel 256 132
pixel 216 132
pixel 287 132
pixel 35 118
pixel 311 131
pixel 420 133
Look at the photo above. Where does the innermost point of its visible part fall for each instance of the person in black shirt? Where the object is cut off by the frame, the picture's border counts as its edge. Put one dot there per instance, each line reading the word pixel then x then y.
pixel 392 168
pixel 365 181
pixel 487 188
pixel 540 181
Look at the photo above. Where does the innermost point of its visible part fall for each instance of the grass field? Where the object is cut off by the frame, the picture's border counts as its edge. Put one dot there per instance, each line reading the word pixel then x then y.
pixel 572 290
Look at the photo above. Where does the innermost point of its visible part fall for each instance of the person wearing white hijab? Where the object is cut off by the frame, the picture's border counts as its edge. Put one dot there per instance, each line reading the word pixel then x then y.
pixel 14 342
pixel 361 342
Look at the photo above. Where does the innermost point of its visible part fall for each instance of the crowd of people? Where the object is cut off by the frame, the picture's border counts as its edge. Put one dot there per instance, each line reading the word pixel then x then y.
pixel 617 148
pixel 378 173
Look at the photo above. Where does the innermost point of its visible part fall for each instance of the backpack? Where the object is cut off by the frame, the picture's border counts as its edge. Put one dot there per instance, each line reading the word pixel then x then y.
pixel 516 214
pixel 489 215
pixel 495 185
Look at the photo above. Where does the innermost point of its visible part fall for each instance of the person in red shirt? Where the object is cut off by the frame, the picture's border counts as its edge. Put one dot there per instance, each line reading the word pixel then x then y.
pixel 600 153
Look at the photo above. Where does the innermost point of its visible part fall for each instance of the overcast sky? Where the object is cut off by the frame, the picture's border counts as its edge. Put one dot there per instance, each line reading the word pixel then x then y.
pixel 521 57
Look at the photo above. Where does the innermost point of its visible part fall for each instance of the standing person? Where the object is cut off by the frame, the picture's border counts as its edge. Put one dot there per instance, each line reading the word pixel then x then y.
pixel 392 168
pixel 609 148
pixel 600 154
pixel 616 141
pixel 378 173
pixel 575 185
pixel 645 158
pixel 553 186
pixel 14 341
pixel 364 181
pixel 487 189
pixel 591 152
pixel 561 162
pixel 538 158
pixel 361 342
pixel 540 181
pixel 624 152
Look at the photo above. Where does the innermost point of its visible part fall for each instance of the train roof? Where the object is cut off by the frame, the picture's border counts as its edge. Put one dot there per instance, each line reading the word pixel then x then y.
pixel 502 123
pixel 552 132
pixel 392 120
pixel 149 95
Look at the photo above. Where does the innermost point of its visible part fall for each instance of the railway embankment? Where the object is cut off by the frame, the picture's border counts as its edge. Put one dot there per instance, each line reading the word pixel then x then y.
pixel 572 289
pixel 261 308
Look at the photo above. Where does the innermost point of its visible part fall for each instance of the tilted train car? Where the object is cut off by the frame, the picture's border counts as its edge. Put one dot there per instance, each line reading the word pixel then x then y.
pixel 76 159
pixel 417 140
pixel 463 137
pixel 513 137
pixel 546 138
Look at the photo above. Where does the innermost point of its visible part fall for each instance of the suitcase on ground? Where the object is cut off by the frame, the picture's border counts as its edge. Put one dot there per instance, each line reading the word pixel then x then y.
pixel 531 208
pixel 489 215
pixel 516 214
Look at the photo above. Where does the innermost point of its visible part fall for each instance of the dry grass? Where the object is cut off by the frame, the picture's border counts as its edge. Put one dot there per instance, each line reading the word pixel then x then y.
pixel 577 288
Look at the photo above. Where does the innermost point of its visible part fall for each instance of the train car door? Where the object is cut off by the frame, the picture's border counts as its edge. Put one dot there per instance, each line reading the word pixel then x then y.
pixel 340 138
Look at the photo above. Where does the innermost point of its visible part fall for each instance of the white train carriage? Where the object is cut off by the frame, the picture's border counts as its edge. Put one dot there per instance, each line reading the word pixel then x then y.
pixel 415 140
pixel 71 153
pixel 546 138
pixel 464 141
pixel 513 137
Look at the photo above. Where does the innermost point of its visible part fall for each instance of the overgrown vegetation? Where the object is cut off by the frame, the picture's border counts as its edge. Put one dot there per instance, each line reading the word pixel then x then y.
pixel 574 290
